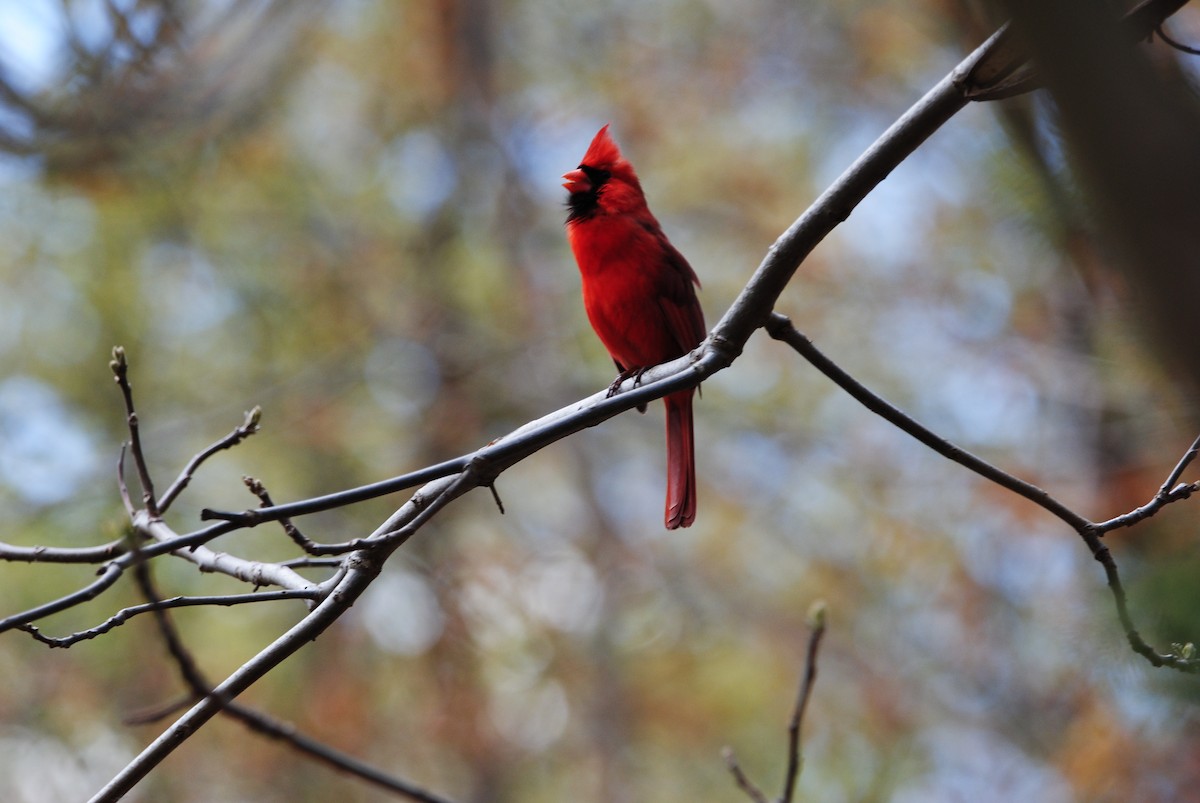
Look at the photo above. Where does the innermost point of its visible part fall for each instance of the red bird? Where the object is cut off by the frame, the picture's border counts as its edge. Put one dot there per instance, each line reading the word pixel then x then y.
pixel 639 293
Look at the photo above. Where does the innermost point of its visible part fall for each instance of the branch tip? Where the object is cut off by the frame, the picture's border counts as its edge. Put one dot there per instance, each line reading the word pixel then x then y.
pixel 118 364
pixel 816 615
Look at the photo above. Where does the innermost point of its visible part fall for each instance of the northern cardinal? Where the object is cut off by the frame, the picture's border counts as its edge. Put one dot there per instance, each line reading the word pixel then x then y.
pixel 639 293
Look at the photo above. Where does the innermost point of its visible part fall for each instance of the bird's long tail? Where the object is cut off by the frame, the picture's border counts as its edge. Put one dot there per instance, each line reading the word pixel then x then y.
pixel 681 461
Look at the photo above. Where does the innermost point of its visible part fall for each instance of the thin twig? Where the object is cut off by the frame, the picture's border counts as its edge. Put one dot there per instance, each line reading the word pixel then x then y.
pixel 311 563
pixel 1180 46
pixel 293 532
pixel 1188 664
pixel 192 675
pixel 109 574
pixel 1180 467
pixel 816 624
pixel 199 688
pixel 361 570
pixel 739 776
pixel 496 497
pixel 249 427
pixel 795 759
pixel 125 614
pixel 1170 491
pixel 287 733
pixel 122 486
pixel 780 328
pixel 120 369
pixel 1138 514
pixel 317 504
pixel 148 716
pixel 49 554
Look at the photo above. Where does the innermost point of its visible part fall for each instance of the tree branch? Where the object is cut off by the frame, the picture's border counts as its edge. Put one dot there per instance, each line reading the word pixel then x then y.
pixel 108 575
pixel 1169 492
pixel 444 482
pixel 781 328
pixel 816 624
pixel 260 723
pixel 125 614
pixel 795 761
pixel 361 569
pixel 49 554
pixel 330 610
pixel 120 369
pixel 239 434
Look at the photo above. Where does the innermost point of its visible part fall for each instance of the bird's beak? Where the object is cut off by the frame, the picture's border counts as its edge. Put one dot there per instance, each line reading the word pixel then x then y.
pixel 576 181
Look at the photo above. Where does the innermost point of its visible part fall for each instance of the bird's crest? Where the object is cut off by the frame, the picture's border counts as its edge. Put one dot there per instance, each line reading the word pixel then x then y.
pixel 603 152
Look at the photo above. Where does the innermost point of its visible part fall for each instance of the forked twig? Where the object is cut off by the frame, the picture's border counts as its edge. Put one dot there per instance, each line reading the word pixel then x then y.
pixel 120 369
pixel 293 532
pixel 781 329
pixel 795 759
pixel 1170 491
pixel 752 310
pixel 248 427
pixel 199 688
pixel 816 624
pixel 125 614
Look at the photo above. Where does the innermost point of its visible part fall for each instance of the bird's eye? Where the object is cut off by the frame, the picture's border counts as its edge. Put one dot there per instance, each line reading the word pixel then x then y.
pixel 597 175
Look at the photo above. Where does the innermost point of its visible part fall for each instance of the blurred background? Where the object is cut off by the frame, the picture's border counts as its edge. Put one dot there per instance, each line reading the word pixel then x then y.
pixel 350 213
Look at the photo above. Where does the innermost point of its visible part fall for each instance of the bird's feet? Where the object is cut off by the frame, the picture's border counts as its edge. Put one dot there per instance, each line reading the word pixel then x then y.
pixel 636 373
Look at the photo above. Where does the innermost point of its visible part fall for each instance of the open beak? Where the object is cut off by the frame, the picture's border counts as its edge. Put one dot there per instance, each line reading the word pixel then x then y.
pixel 576 181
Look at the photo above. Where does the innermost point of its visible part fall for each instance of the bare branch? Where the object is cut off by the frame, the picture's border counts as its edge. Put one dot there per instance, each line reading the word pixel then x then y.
pixel 301 563
pixel 795 761
pixel 361 569
pixel 125 614
pixel 255 572
pixel 488 462
pixel 780 328
pixel 49 554
pixel 1160 500
pixel 200 688
pixel 325 614
pixel 739 776
pixel 239 434
pixel 1182 662
pixel 108 575
pixel 147 716
pixel 120 369
pixel 286 732
pixel 816 625
pixel 446 481
pixel 301 540
pixel 1169 492
pixel 1180 467
pixel 122 487
pixel 252 518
